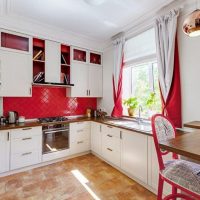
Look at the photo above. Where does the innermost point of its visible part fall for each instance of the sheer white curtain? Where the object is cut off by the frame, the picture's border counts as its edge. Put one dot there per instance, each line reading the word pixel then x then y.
pixel 165 29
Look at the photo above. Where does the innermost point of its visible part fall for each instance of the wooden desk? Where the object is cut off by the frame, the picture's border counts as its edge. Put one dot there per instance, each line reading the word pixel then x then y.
pixel 185 144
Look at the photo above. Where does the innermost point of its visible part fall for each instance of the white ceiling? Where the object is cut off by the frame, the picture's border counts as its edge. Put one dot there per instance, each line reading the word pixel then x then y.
pixel 98 22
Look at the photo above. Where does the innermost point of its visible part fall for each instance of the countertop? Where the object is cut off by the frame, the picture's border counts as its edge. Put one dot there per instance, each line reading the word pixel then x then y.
pixel 193 124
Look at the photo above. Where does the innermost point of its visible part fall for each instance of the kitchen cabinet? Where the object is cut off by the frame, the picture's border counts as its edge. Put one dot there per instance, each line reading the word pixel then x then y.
pixel 4 150
pixel 96 137
pixel 53 61
pixel 15 74
pixel 79 137
pixel 153 167
pixel 87 80
pixel 134 154
pixel 111 144
pixel 26 147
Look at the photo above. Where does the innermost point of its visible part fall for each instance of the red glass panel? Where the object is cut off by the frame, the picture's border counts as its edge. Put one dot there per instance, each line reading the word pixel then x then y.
pixel 95 58
pixel 14 42
pixel 79 55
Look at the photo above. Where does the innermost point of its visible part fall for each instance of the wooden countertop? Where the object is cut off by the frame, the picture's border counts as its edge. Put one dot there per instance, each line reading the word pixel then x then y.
pixel 185 144
pixel 193 124
pixel 78 119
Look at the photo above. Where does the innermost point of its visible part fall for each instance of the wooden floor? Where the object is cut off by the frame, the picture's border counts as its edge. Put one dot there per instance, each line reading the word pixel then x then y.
pixel 81 178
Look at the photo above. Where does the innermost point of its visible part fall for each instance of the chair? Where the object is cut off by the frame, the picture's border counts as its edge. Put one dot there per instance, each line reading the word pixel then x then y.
pixel 180 174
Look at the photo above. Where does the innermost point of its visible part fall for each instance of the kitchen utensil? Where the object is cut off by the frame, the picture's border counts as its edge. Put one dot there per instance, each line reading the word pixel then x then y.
pixel 21 119
pixel 12 117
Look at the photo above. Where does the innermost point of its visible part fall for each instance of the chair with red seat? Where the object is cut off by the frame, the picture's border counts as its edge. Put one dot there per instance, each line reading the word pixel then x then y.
pixel 180 174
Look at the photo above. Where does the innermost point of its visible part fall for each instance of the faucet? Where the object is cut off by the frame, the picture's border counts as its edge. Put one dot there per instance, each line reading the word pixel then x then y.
pixel 139 119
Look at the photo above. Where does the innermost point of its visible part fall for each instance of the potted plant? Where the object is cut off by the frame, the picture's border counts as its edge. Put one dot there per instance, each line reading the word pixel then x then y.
pixel 150 103
pixel 132 104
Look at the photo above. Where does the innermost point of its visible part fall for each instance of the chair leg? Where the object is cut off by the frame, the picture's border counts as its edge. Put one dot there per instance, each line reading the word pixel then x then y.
pixel 174 191
pixel 160 188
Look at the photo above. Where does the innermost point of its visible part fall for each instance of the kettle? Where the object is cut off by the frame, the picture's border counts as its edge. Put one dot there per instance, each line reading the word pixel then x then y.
pixel 12 117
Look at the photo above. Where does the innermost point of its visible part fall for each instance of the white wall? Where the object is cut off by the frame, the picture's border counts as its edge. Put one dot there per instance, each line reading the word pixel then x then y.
pixel 107 101
pixel 189 54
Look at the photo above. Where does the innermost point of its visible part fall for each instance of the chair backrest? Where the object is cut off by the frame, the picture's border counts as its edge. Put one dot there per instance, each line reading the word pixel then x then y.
pixel 163 129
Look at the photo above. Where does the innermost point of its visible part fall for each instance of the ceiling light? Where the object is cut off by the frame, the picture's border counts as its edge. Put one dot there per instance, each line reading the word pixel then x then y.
pixel 94 2
pixel 191 25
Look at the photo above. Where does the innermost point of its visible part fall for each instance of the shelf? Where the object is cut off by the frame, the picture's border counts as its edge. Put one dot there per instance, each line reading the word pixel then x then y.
pixel 41 61
pixel 53 85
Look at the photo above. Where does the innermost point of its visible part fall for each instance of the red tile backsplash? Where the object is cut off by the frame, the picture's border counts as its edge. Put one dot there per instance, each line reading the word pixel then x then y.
pixel 48 102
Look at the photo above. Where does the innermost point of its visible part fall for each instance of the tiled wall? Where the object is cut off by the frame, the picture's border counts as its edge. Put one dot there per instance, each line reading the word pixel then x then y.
pixel 47 102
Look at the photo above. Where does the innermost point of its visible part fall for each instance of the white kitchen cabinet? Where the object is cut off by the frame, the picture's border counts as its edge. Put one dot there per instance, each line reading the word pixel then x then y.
pixel 79 77
pixel 134 154
pixel 95 81
pixel 79 137
pixel 153 167
pixel 111 144
pixel 15 74
pixel 4 150
pixel 26 147
pixel 96 137
pixel 52 61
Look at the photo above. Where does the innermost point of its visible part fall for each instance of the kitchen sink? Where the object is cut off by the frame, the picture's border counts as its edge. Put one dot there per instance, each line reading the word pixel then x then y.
pixel 144 126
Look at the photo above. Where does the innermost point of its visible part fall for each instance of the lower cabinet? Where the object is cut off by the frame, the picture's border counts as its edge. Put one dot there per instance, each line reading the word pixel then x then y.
pixel 134 154
pixel 4 150
pixel 96 137
pixel 25 147
pixel 79 137
pixel 111 144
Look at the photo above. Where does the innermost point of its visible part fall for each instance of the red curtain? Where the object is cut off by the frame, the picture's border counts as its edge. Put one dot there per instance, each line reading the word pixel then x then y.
pixel 117 94
pixel 172 107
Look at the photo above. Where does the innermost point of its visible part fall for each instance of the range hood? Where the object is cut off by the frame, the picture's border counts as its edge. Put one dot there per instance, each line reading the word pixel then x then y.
pixel 50 84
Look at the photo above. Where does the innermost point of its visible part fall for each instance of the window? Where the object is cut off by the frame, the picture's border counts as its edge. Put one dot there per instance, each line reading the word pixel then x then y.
pixel 140 75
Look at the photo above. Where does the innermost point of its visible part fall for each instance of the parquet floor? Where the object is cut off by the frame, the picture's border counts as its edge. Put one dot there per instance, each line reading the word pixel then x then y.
pixel 82 178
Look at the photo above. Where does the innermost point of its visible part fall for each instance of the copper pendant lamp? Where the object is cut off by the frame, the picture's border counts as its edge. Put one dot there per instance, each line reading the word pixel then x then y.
pixel 191 25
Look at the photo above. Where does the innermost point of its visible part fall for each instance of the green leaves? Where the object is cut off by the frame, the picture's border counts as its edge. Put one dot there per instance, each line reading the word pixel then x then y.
pixel 131 102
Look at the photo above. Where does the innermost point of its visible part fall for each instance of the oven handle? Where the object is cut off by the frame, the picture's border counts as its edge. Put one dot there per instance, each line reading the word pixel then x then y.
pixel 47 132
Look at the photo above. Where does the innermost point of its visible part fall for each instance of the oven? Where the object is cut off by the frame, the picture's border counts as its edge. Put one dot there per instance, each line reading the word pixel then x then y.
pixel 55 137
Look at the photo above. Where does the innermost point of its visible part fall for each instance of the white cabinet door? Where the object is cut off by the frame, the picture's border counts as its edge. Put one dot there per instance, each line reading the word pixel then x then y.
pixel 4 151
pixel 96 137
pixel 95 81
pixel 134 154
pixel 15 74
pixel 52 61
pixel 79 77
pixel 153 167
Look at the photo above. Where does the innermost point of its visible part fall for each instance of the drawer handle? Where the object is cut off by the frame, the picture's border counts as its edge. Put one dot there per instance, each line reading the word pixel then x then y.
pixel 28 138
pixel 109 126
pixel 24 129
pixel 25 154
pixel 109 135
pixel 109 149
pixel 79 131
pixel 79 142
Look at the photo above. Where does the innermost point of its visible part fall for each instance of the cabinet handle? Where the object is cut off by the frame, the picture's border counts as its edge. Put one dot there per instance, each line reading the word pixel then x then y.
pixel 79 142
pixel 24 129
pixel 109 126
pixel 25 154
pixel 100 128
pixel 79 131
pixel 109 135
pixel 29 138
pixel 89 92
pixel 121 135
pixel 8 136
pixel 109 149
pixel 30 91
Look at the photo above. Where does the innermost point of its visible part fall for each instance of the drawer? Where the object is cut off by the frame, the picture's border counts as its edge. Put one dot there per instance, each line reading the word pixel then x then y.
pixel 25 132
pixel 80 146
pixel 80 134
pixel 25 159
pixel 28 143
pixel 111 155
pixel 111 142
pixel 79 126
pixel 111 130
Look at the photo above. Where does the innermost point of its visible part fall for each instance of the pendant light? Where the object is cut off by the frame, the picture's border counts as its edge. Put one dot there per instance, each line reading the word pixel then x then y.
pixel 191 25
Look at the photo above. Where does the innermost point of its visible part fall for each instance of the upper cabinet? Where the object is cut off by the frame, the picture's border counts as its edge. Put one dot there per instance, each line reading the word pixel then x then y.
pixel 86 73
pixel 15 65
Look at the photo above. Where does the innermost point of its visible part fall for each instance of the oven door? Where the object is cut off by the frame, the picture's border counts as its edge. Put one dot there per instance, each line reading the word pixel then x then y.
pixel 55 140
